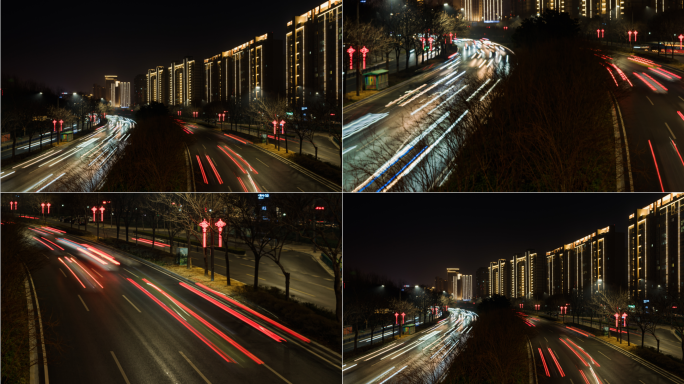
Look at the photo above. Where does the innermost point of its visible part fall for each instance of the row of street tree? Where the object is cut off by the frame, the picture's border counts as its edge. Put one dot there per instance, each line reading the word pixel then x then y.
pixel 371 302
pixel 29 109
pixel 316 218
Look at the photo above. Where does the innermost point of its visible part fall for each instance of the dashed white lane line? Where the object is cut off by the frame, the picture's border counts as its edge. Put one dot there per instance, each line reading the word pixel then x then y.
pixel 60 269
pixel 136 308
pixel 130 272
pixel 668 128
pixel 649 99
pixel 604 355
pixel 195 368
pixel 276 373
pixel 84 304
pixel 261 162
pixel 301 189
pixel 120 369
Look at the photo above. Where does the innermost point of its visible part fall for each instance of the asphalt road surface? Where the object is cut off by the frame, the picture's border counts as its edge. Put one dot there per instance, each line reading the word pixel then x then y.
pixel 136 323
pixel 224 162
pixel 381 133
pixel 575 357
pixel 386 363
pixel 309 282
pixel 92 151
pixel 652 109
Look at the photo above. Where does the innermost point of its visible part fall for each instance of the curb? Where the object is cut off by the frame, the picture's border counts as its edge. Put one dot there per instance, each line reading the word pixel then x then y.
pixel 325 266
pixel 188 162
pixel 329 184
pixel 666 374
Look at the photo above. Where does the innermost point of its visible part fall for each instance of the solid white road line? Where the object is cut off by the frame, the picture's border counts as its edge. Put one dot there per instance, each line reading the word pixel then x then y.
pixel 84 304
pixel 194 367
pixel 40 324
pixel 120 369
pixel 136 308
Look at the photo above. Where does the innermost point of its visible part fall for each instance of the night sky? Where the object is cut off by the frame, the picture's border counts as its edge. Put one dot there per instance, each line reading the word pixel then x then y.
pixel 413 237
pixel 75 44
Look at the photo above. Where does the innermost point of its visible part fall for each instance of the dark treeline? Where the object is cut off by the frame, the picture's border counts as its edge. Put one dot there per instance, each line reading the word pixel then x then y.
pixel 371 301
pixel 29 108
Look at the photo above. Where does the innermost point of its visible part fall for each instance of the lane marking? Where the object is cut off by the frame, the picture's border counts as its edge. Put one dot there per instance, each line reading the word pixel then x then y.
pixel 261 162
pixel 40 323
pixel 276 373
pixel 120 369
pixel 130 272
pixel 681 98
pixel 84 304
pixel 301 189
pixel 60 269
pixel 604 355
pixel 650 100
pixel 323 286
pixel 292 289
pixel 251 266
pixel 253 276
pixel 668 128
pixel 656 166
pixel 193 366
pixel 97 273
pixel 124 296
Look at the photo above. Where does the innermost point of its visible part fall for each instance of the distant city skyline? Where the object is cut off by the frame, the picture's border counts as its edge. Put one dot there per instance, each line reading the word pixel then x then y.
pixel 412 244
pixel 65 39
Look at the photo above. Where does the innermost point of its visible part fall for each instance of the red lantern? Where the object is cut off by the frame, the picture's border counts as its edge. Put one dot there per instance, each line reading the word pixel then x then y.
pixel 220 224
pixel 364 50
pixel 204 226
pixel 351 51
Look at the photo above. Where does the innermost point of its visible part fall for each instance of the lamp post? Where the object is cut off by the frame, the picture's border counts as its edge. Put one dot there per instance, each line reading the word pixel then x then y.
pixel 364 51
pixel 282 132
pixel 275 133
pixel 54 129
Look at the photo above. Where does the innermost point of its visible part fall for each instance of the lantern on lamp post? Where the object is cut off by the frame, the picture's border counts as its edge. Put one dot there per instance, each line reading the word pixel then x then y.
pixel 42 208
pixel 680 41
pixel 204 224
pixel 220 224
pixel 351 51
pixel 48 205
pixel 364 50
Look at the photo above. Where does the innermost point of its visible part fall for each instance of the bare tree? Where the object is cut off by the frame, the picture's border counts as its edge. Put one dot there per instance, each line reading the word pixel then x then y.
pixel 610 302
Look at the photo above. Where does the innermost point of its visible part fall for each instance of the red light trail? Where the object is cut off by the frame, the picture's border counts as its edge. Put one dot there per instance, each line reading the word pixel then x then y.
pixel 204 175
pixel 656 165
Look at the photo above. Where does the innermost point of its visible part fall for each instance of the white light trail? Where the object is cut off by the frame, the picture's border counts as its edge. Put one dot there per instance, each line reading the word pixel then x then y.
pixel 431 101
pixel 382 374
pixel 38 183
pixel 478 90
pixel 450 97
pixel 362 123
pixel 37 159
pixel 422 156
pixel 349 367
pixel 455 78
pixel 348 149
pixel 55 179
pixel 395 373
pixel 490 89
pixel 407 94
pixel 7 174
pixel 418 95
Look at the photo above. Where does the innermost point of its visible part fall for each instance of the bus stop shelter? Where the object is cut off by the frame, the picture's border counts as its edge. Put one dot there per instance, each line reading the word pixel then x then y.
pixel 376 80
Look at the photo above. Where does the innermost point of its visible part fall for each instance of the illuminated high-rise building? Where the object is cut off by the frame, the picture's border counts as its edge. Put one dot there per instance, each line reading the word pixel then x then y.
pixel 247 72
pixel 109 80
pixel 119 93
pixel 157 85
pixel 451 273
pixel 499 278
pixel 590 264
pixel 313 54
pixel 526 279
pixel 185 83
pixel 654 249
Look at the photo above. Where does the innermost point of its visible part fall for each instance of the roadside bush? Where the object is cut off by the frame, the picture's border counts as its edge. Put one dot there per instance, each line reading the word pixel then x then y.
pixel 307 319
